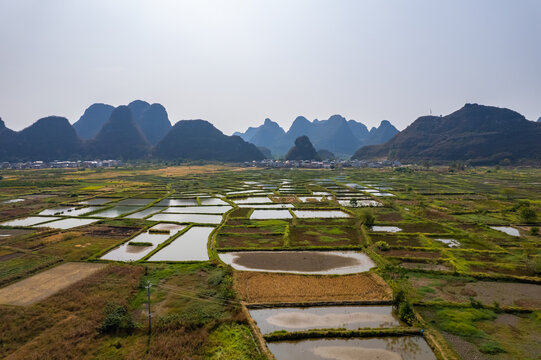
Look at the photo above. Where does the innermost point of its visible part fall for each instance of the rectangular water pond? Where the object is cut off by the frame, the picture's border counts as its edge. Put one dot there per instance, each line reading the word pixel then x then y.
pixel 28 221
pixel 198 210
pixel 69 223
pixel 325 317
pixel 127 252
pixel 211 201
pixel 270 214
pixel 177 202
pixel 144 213
pixel 115 211
pixel 311 214
pixel 61 210
pixel 266 206
pixel 135 202
pixel 253 200
pixel 97 201
pixel 190 246
pixel 299 262
pixel 188 218
pixel 385 348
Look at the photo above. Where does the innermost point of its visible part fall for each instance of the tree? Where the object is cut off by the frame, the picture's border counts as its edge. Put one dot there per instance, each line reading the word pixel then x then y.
pixel 527 215
pixel 353 202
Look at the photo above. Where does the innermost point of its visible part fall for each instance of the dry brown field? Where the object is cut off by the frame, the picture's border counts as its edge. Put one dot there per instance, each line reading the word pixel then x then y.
pixel 258 287
pixel 46 283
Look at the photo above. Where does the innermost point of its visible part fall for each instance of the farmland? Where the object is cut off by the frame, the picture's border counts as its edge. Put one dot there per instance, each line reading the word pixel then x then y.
pixel 455 253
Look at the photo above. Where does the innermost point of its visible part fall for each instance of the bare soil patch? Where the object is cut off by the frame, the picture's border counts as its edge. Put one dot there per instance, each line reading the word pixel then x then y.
pixel 256 287
pixel 47 283
pixel 412 254
pixel 110 231
pixel 7 233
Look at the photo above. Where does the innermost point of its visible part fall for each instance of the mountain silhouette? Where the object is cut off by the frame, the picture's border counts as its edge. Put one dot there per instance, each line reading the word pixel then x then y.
pixel 200 140
pixel 119 138
pixel 90 123
pixel 475 133
pixel 302 150
pixel 152 120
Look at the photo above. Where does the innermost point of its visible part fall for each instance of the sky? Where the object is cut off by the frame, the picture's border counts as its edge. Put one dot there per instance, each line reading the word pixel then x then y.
pixel 235 63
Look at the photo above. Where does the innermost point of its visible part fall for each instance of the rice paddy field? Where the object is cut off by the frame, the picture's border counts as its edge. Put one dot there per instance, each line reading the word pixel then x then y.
pixel 244 263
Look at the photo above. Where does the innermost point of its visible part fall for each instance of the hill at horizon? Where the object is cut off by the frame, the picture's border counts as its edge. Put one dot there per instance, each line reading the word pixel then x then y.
pixel 475 133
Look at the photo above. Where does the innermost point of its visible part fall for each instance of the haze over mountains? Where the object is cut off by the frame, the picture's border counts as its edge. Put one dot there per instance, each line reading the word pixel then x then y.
pixel 338 135
pixel 476 133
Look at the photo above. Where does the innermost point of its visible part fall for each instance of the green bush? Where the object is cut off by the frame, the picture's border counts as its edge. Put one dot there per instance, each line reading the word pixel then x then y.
pixel 534 231
pixel 534 264
pixel 116 319
pixel 405 312
pixel 368 218
pixel 491 347
pixel 382 245
pixel 527 215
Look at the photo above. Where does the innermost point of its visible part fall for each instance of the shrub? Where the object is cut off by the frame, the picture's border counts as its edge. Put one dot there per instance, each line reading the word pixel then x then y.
pixel 382 245
pixel 534 231
pixel 368 218
pixel 116 319
pixel 527 215
pixel 405 312
pixel 534 264
pixel 491 347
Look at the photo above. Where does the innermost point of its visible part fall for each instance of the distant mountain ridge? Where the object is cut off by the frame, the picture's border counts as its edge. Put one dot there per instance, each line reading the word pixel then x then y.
pixel 338 135
pixel 475 133
pixel 120 136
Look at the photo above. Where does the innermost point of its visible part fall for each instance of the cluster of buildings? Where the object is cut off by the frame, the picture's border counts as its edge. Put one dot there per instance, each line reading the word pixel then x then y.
pixel 325 164
pixel 60 164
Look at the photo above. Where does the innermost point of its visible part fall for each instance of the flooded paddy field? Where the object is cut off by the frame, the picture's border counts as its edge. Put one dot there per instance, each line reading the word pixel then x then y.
pixel 115 211
pixel 69 223
pixel 188 218
pixel 387 348
pixel 324 317
pixel 190 246
pixel 29 221
pixel 197 210
pixel 143 244
pixel 301 262
pixel 318 214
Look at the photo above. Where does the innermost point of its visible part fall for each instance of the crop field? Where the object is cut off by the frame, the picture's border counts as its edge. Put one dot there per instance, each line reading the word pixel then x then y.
pixel 456 253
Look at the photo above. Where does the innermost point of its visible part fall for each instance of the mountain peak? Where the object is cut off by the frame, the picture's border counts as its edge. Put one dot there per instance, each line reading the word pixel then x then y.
pixel 337 117
pixel 90 123
pixel 303 150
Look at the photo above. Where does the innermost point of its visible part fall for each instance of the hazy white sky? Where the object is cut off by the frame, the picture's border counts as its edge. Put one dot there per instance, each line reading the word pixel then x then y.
pixel 235 63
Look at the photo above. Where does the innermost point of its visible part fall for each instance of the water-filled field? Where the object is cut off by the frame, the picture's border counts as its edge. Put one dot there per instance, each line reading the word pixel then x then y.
pixel 190 246
pixel 300 262
pixel 332 317
pixel 388 348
